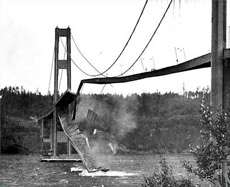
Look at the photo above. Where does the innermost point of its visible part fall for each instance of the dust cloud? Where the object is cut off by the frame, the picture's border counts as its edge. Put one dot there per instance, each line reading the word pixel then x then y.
pixel 112 124
pixel 112 115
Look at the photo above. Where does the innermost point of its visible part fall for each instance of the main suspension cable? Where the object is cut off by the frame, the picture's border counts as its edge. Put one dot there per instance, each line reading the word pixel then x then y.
pixel 75 63
pixel 123 49
pixel 148 41
pixel 91 75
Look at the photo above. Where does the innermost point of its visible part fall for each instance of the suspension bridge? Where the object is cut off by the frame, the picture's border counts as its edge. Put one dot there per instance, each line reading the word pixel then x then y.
pixel 65 106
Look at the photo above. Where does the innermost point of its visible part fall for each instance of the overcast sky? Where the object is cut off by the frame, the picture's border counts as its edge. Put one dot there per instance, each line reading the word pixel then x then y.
pixel 101 29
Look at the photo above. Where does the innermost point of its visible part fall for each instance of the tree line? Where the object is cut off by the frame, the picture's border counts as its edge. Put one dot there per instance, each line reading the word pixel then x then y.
pixel 165 123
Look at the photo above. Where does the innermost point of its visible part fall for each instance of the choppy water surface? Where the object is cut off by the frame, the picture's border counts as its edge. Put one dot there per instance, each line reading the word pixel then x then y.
pixel 125 171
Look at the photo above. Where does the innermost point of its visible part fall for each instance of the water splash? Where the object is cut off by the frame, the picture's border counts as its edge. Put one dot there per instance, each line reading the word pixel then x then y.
pixel 84 172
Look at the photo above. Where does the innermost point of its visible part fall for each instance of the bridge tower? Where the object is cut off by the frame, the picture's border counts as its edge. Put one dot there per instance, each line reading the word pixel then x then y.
pixel 220 66
pixel 64 64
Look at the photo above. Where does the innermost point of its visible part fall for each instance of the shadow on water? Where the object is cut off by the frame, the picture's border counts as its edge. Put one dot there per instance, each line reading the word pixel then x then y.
pixel 28 171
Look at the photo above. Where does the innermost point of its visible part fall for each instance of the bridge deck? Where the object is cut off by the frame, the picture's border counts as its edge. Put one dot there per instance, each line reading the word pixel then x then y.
pixel 203 61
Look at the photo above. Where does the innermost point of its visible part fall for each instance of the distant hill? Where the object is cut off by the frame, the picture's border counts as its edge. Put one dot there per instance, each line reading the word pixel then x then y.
pixel 19 110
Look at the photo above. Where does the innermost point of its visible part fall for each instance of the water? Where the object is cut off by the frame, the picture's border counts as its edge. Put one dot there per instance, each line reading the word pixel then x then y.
pixel 125 171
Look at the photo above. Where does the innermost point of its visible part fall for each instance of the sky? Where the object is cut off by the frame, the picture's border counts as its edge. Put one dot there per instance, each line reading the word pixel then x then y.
pixel 101 29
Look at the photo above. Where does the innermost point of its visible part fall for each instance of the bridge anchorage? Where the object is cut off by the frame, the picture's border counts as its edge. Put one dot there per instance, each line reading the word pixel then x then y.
pixel 61 123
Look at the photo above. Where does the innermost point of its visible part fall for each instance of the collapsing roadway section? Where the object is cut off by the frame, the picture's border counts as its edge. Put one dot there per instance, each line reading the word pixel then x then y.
pixel 79 141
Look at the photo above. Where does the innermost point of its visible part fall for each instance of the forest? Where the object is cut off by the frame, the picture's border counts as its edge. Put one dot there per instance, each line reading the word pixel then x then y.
pixel 164 122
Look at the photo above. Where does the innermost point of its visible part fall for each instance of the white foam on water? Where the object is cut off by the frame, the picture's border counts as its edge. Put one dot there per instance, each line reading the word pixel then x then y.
pixel 77 169
pixel 84 172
